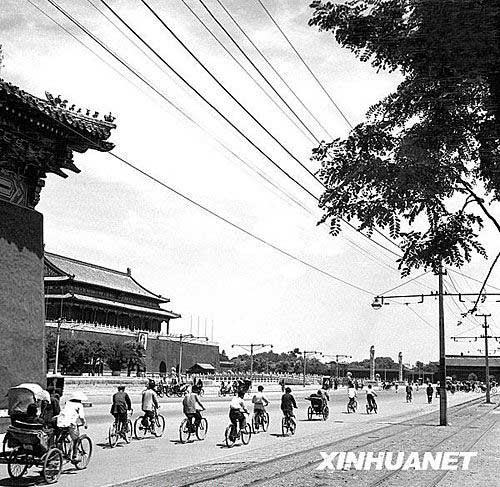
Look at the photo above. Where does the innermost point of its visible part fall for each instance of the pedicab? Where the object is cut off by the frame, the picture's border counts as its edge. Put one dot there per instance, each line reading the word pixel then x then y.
pixel 318 407
pixel 33 445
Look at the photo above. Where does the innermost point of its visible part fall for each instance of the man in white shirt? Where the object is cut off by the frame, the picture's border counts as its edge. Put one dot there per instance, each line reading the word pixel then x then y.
pixel 259 402
pixel 351 394
pixel 72 416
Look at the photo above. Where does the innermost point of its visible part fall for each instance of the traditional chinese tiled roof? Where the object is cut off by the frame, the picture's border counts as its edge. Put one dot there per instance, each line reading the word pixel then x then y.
pixel 86 130
pixel 98 276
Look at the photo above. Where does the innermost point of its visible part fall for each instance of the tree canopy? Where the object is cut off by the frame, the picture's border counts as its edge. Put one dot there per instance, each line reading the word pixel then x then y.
pixel 425 164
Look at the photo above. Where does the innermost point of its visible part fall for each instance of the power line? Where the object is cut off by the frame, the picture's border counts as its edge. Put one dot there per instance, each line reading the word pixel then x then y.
pixel 211 105
pixel 143 79
pixel 273 68
pixel 306 65
pixel 196 124
pixel 355 246
pixel 233 57
pixel 233 98
pixel 258 70
pixel 213 213
pixel 434 327
pixel 405 283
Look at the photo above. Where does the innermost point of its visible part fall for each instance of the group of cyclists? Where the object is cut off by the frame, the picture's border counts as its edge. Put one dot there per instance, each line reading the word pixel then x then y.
pixel 192 407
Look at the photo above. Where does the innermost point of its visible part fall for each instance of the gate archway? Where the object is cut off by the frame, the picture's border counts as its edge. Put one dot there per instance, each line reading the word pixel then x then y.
pixel 163 367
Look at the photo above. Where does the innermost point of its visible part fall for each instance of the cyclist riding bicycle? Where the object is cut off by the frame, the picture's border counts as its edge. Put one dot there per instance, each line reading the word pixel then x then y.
pixel 192 408
pixel 237 408
pixel 259 402
pixel 72 416
pixel 149 405
pixel 351 394
pixel 370 397
pixel 120 407
pixel 288 403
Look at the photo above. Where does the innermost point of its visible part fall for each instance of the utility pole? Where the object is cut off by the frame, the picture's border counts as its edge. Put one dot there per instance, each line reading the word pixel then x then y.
pixel 486 352
pixel 305 353
pixel 443 420
pixel 251 347
pixel 337 356
pixel 58 339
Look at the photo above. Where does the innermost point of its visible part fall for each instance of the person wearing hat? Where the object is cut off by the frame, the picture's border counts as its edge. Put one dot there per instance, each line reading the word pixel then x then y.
pixel 72 416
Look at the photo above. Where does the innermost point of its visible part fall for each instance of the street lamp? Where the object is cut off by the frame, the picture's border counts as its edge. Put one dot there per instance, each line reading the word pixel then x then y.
pixel 377 303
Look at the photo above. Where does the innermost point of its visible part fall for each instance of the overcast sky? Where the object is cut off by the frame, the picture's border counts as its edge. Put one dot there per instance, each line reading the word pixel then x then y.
pixel 111 215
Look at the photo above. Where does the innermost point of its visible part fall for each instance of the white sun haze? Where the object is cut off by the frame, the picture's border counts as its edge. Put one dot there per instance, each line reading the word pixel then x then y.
pixel 110 215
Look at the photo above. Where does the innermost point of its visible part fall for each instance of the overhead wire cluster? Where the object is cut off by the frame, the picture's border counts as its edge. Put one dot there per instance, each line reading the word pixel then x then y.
pixel 285 108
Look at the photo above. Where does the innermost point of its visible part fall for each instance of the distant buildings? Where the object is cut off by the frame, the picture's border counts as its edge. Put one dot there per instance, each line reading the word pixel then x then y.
pixel 97 303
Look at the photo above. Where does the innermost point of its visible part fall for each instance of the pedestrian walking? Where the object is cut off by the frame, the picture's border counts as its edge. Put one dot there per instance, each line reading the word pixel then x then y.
pixel 430 393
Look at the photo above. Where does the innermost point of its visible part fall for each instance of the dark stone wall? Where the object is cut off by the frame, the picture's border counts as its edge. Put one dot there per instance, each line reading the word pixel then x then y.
pixel 22 330
pixel 157 350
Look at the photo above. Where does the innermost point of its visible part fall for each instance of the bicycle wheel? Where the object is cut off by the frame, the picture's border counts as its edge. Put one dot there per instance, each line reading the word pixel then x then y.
pixel 159 425
pixel 292 426
pixel 113 434
pixel 127 435
pixel 17 464
pixel 326 413
pixel 83 452
pixel 184 431
pixel 255 425
pixel 284 427
pixel 309 413
pixel 230 440
pixel 202 429
pixel 52 465
pixel 265 421
pixel 139 430
pixel 246 434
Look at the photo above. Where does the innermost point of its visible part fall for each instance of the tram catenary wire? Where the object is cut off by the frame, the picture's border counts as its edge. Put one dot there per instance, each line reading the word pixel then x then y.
pixel 96 40
pixel 206 209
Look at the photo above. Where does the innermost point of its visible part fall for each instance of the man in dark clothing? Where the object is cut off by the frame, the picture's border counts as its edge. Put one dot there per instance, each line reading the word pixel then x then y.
pixel 50 410
pixel 430 393
pixel 121 406
pixel 288 403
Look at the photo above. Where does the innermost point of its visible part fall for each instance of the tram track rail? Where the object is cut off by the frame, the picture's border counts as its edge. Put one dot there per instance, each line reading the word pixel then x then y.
pixel 294 457
pixel 442 474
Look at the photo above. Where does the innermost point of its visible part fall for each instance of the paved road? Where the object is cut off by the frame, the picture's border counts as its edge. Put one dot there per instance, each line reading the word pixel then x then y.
pixel 148 456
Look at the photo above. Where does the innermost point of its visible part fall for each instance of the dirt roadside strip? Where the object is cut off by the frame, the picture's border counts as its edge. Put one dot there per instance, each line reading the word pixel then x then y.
pixel 472 425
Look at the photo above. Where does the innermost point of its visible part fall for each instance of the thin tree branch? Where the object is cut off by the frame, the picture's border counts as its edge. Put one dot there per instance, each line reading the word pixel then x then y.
pixel 481 204
pixel 474 308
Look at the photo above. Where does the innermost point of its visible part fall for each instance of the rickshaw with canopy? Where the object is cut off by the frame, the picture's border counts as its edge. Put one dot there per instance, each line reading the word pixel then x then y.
pixel 29 443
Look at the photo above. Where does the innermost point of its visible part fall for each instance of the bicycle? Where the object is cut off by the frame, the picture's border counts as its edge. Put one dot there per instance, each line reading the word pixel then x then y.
pixel 288 425
pixel 409 398
pixel 371 407
pixel 260 420
pixel 352 405
pixel 78 452
pixel 188 428
pixel 155 425
pixel 231 436
pixel 118 430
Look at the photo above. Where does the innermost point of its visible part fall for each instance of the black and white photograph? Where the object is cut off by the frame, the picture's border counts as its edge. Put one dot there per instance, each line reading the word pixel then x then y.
pixel 250 243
